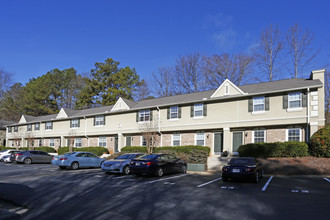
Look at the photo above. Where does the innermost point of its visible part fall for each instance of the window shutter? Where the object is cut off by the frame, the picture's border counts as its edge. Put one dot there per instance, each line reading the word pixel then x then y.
pixel 103 119
pixel 78 122
pixel 94 120
pixel 137 116
pixel 304 100
pixel 168 112
pixel 285 101
pixel 250 108
pixel 266 103
pixel 128 141
pixel 71 123
pixel 192 111
pixel 150 115
pixel 51 126
pixel 204 109
pixel 179 112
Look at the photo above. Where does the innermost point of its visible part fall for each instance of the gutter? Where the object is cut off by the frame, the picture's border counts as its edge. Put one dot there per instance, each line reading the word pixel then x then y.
pixel 161 135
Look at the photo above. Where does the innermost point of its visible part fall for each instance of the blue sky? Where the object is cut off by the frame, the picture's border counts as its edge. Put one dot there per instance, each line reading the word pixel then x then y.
pixel 39 35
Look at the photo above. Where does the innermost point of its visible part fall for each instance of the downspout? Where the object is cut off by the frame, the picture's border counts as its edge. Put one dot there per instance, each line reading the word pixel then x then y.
pixel 161 135
pixel 308 117
pixel 86 131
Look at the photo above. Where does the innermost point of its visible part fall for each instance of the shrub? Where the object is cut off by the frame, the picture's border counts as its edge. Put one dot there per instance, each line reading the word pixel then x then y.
pixel 95 150
pixel 46 149
pixel 319 144
pixel 277 149
pixel 190 154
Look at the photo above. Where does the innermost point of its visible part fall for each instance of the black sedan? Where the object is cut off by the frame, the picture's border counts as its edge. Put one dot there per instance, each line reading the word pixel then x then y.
pixel 242 168
pixel 158 164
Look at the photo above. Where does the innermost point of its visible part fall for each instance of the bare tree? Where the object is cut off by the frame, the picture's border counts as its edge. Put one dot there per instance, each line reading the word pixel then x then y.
pixel 269 46
pixel 217 68
pixel 29 136
pixel 5 81
pixel 142 91
pixel 150 132
pixel 163 82
pixel 299 45
pixel 188 74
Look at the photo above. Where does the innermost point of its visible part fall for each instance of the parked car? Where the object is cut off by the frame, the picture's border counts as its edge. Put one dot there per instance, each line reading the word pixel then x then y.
pixel 76 160
pixel 11 157
pixel 33 156
pixel 120 164
pixel 242 168
pixel 157 164
pixel 6 153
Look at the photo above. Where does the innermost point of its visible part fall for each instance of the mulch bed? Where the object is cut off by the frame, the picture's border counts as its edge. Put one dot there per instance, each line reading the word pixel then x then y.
pixel 296 166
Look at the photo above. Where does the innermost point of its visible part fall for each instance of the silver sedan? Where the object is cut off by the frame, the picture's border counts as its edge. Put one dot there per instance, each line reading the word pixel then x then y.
pixel 120 164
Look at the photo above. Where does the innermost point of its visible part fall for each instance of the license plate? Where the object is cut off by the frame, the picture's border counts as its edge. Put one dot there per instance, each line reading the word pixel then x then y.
pixel 236 170
pixel 137 164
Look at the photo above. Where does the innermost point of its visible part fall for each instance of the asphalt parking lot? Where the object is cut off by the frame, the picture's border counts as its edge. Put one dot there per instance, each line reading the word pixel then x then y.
pixel 43 191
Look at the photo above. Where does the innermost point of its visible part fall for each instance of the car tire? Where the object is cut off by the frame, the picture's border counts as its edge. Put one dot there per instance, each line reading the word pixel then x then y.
pixel 126 170
pixel 160 172
pixel 62 167
pixel 256 178
pixel 74 166
pixel 27 160
pixel 184 169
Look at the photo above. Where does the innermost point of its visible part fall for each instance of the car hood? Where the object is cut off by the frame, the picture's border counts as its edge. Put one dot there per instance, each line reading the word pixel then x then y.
pixel 115 161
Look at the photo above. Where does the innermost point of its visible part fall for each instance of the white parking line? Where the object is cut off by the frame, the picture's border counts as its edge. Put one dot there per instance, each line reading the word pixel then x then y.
pixel 154 181
pixel 326 179
pixel 266 185
pixel 209 182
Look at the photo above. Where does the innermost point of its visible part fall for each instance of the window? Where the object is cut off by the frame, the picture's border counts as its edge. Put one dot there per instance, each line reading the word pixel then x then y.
pixel 200 139
pixel 102 141
pixel 77 142
pixel 198 110
pixel 29 127
pixel 294 134
pixel 99 120
pixel 15 129
pixel 259 136
pixel 74 123
pixel 258 104
pixel 176 139
pixel 52 142
pixel 10 129
pixel 49 125
pixel 144 142
pixel 144 115
pixel 40 142
pixel 37 126
pixel 174 112
pixel 294 100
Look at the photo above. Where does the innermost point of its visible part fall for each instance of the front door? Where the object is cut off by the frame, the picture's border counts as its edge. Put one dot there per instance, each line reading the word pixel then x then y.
pixel 218 143
pixel 116 144
pixel 237 140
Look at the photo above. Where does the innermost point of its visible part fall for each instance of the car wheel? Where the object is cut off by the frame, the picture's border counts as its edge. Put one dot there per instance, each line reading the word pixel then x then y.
pixel 74 165
pixel 160 172
pixel 225 179
pixel 62 167
pixel 126 170
pixel 27 161
pixel 184 169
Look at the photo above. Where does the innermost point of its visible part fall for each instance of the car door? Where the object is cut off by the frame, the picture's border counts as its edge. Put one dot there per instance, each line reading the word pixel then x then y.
pixel 168 164
pixel 35 157
pixel 175 162
pixel 93 160
pixel 46 158
pixel 82 159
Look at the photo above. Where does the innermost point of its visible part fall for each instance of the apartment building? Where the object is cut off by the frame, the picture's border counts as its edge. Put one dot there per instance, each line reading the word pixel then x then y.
pixel 222 119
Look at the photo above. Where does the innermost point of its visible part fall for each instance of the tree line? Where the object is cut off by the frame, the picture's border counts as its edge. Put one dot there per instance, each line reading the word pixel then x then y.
pixel 275 52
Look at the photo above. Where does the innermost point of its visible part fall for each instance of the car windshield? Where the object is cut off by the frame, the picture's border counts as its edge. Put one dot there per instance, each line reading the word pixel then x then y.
pixel 149 157
pixel 124 157
pixel 68 154
pixel 242 161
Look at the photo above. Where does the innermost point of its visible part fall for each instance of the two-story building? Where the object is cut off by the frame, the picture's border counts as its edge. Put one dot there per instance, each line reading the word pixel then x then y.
pixel 223 119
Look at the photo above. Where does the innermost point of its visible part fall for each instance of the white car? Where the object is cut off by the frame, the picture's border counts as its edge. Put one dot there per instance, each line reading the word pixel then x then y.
pixel 5 153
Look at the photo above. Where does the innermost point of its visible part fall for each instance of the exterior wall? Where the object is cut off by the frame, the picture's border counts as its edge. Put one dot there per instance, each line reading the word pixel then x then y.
pixel 2 137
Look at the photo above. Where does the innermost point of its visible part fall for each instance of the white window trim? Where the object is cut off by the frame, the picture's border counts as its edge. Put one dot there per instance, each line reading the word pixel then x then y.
pixel 177 112
pixel 287 133
pixel 201 116
pixel 144 121
pixel 259 113
pixel 172 139
pixel 48 129
pixel 52 141
pixel 196 137
pixel 262 111
pixel 28 128
pixel 103 116
pixel 300 107
pixel 102 141
pixel 72 123
pixel 260 129
pixel 75 141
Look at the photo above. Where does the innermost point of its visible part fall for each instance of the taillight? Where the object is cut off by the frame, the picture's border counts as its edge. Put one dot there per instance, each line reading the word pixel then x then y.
pixel 63 158
pixel 18 154
pixel 249 169
pixel 131 163
pixel 224 169
pixel 148 163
